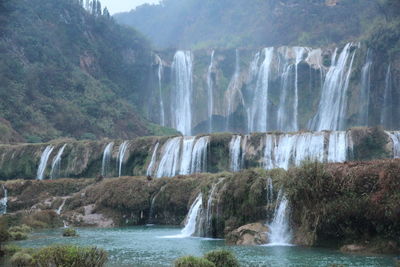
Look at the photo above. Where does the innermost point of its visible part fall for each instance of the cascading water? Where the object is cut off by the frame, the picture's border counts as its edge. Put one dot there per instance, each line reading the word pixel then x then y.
pixel 4 202
pixel 279 229
pixel 160 72
pixel 121 156
pixel 365 90
pixel 395 137
pixel 43 162
pixel 299 52
pixel 150 168
pixel 191 221
pixel 152 204
pixel 186 155
pixel 199 155
pixel 259 108
pixel 386 115
pixel 169 162
pixel 234 153
pixel 106 159
pixel 338 146
pixel 181 107
pixel 56 164
pixel 61 206
pixel 333 103
pixel 210 92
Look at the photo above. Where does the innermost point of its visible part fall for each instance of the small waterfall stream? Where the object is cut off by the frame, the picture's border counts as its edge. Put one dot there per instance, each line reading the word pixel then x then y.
pixel 190 226
pixel 160 72
pixel 105 166
pixel 150 168
pixel 121 156
pixel 395 137
pixel 59 210
pixel 365 90
pixel 4 201
pixel 386 115
pixel 43 162
pixel 234 152
pixel 56 164
pixel 279 229
pixel 210 92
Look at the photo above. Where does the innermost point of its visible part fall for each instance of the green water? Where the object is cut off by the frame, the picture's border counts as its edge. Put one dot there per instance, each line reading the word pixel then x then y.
pixel 148 246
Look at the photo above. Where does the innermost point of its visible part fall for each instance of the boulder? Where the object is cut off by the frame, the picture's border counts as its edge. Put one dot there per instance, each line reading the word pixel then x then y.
pixel 249 235
pixel 352 248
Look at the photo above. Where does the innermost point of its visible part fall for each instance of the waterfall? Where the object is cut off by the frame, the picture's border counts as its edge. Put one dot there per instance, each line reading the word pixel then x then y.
pixel 43 162
pixel 210 92
pixel 121 156
pixel 191 221
pixel 4 201
pixel 338 146
pixel 234 153
pixel 160 72
pixel 259 109
pixel 365 90
pixel 283 119
pixel 395 137
pixel 168 165
pixel 270 192
pixel 186 157
pixel 279 229
pixel 331 113
pixel 106 159
pixel 56 164
pixel 153 201
pixel 199 155
pixel 299 52
pixel 61 206
pixel 181 106
pixel 150 168
pixel 233 90
pixel 386 115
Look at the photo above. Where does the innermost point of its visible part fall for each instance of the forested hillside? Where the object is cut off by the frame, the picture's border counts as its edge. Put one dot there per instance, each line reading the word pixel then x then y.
pixel 69 72
pixel 244 23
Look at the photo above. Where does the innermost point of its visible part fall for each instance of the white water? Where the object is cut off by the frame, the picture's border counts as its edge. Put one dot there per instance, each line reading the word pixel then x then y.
pixel 365 90
pixel 181 108
pixel 279 229
pixel 43 162
pixel 283 119
pixel 61 206
pixel 186 155
pixel 210 92
pixel 191 221
pixel 285 150
pixel 259 108
pixel 169 162
pixel 234 153
pixel 395 137
pixel 160 72
pixel 333 103
pixel 56 164
pixel 299 52
pixel 150 168
pixel 199 155
pixel 386 115
pixel 121 156
pixel 106 159
pixel 4 202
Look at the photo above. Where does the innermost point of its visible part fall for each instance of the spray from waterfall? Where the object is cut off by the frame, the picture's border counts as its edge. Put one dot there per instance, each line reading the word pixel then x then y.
pixel 43 162
pixel 210 93
pixel 181 106
pixel 105 166
pixel 56 164
pixel 121 156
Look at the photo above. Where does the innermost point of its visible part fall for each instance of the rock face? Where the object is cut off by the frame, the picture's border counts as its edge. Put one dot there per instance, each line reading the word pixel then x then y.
pixel 248 235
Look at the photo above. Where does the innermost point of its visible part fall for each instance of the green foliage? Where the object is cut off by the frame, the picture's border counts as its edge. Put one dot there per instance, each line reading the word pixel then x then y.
pixel 18 235
pixel 70 256
pixel 190 261
pixel 70 232
pixel 21 259
pixel 222 258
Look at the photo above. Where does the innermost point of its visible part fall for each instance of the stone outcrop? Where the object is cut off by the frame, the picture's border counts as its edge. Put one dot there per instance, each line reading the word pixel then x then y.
pixel 251 234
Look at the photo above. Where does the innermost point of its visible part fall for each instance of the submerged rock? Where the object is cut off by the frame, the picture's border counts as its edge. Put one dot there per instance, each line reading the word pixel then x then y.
pixel 250 235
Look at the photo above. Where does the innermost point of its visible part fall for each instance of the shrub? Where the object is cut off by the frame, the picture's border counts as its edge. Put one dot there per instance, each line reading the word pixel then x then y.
pixel 18 235
pixel 11 249
pixel 71 256
pixel 190 261
pixel 21 259
pixel 21 228
pixel 222 258
pixel 68 232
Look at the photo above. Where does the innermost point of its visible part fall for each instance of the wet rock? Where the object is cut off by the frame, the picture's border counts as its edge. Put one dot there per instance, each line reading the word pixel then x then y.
pixel 250 235
pixel 352 248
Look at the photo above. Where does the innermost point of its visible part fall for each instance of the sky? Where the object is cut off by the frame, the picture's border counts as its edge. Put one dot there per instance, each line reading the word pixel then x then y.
pixel 115 6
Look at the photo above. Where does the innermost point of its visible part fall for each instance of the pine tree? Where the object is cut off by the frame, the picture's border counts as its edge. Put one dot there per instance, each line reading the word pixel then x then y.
pixel 106 13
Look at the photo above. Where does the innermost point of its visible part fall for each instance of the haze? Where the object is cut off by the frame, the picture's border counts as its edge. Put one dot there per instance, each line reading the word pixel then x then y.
pixel 116 6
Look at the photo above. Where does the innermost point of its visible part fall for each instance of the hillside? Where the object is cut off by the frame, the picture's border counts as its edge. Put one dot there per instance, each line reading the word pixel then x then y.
pixel 242 23
pixel 67 73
